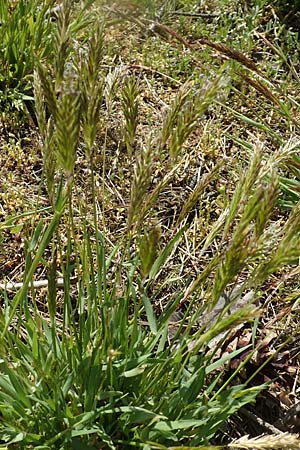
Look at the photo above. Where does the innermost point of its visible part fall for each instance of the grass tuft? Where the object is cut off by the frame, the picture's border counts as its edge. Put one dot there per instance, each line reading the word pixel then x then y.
pixel 141 318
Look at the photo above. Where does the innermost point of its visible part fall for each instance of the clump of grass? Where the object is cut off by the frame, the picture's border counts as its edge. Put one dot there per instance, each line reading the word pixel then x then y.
pixel 102 370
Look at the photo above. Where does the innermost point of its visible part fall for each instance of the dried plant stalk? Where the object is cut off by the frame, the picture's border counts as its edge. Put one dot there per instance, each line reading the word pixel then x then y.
pixel 233 54
pixel 261 88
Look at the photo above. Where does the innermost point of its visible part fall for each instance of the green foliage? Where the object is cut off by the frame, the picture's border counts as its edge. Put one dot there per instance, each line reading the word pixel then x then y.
pixel 24 33
pixel 108 382
pixel 34 30
pixel 101 376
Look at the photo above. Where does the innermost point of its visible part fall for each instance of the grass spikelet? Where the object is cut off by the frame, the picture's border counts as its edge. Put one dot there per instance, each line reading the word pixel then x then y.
pixel 67 130
pixel 282 441
pixel 140 184
pixel 172 114
pixel 288 249
pixel 95 52
pixel 268 202
pixel 246 313
pixel 47 89
pixel 91 86
pixel 184 113
pixel 62 40
pixel 129 95
pixel 244 187
pixel 111 84
pixel 42 90
pixel 241 245
pixel 148 244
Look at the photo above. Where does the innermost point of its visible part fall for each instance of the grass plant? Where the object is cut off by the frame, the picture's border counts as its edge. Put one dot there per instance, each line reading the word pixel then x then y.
pixel 100 362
